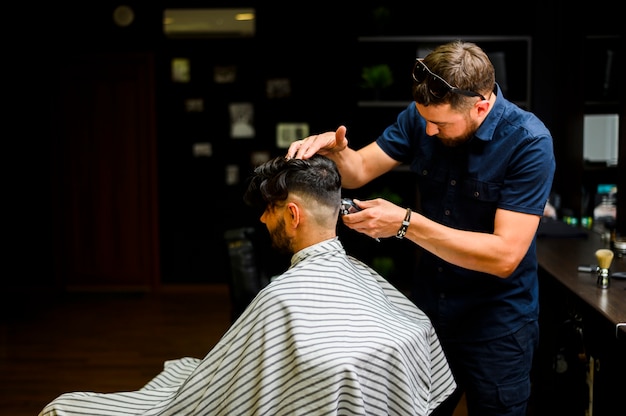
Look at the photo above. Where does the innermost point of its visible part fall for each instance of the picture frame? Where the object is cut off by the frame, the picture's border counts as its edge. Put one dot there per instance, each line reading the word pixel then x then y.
pixel 287 133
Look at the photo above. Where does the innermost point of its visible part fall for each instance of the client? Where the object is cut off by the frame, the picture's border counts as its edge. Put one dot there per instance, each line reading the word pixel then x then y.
pixel 328 336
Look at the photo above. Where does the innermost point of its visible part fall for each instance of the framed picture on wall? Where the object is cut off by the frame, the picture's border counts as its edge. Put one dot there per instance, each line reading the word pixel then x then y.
pixel 181 70
pixel 259 157
pixel 224 74
pixel 278 88
pixel 241 120
pixel 286 133
pixel 194 105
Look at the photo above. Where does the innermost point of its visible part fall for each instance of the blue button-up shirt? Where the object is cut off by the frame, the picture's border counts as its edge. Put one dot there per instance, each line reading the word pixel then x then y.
pixel 508 164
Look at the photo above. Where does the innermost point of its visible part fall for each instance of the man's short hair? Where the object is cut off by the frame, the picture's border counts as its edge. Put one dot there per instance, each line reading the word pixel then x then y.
pixel 316 177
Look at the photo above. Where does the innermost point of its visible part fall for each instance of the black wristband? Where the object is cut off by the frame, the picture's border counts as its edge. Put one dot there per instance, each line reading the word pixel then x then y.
pixel 405 224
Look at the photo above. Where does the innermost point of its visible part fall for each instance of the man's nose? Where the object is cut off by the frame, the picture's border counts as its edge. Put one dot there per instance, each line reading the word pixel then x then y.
pixel 431 129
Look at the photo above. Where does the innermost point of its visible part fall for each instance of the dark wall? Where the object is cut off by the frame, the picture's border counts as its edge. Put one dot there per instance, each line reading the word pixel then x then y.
pixel 314 49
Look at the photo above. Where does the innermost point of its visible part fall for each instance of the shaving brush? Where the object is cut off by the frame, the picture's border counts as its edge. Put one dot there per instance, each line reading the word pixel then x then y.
pixel 605 258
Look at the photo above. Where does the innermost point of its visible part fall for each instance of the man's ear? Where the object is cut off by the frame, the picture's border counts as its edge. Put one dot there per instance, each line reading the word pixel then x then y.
pixel 294 213
pixel 482 107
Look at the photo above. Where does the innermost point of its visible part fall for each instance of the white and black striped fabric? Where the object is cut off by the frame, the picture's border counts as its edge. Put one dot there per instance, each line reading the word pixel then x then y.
pixel 327 337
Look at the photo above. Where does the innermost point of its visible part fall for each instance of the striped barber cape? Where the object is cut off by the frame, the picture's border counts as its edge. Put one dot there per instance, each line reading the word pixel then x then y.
pixel 327 337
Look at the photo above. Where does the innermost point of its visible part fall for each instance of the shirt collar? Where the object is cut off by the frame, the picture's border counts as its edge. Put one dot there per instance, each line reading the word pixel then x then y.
pixel 488 127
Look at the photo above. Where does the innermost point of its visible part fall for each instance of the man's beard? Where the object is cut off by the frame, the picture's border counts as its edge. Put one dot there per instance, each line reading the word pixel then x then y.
pixel 279 238
pixel 457 141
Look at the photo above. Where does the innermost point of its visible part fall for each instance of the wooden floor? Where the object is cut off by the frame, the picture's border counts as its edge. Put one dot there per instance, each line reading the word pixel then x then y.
pixel 102 342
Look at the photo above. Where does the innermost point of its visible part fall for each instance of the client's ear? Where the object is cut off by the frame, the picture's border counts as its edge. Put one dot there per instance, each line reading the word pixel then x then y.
pixel 294 213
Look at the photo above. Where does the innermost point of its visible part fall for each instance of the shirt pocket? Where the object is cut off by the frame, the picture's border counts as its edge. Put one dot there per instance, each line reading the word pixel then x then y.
pixel 479 201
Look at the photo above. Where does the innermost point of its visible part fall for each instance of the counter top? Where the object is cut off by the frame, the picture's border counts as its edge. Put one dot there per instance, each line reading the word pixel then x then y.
pixel 561 256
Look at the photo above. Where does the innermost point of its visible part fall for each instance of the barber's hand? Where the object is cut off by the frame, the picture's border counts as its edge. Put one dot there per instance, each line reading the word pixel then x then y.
pixel 324 143
pixel 378 218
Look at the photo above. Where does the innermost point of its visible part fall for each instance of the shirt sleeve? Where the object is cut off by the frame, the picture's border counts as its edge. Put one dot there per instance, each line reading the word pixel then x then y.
pixel 398 139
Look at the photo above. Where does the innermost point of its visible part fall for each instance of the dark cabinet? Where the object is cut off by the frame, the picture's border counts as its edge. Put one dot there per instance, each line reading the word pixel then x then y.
pixel 589 88
pixel 601 117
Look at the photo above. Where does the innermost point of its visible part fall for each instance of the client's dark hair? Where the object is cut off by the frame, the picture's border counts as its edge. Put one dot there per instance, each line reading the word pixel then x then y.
pixel 271 182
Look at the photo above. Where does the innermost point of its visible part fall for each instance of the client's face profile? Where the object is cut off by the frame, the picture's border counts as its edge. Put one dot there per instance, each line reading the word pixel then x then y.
pixel 275 225
pixel 280 241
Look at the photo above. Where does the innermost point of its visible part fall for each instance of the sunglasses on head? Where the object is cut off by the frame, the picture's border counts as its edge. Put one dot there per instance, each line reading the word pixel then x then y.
pixel 437 86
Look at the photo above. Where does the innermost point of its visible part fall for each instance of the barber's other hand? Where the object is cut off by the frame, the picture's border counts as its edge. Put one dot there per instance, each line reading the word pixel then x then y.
pixel 378 218
pixel 324 143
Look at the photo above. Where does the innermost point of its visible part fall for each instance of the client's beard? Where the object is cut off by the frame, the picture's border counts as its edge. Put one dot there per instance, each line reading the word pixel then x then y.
pixel 280 241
